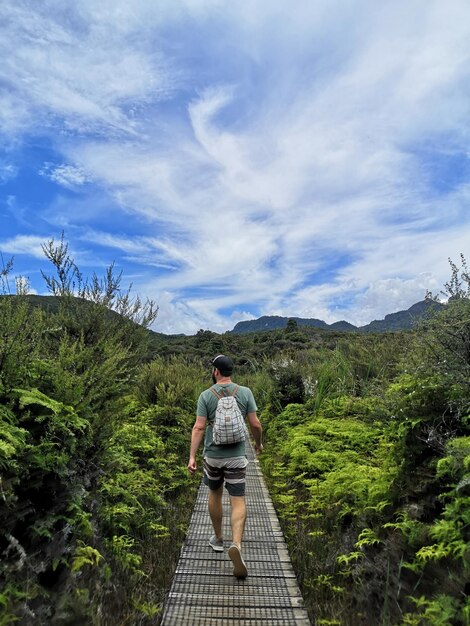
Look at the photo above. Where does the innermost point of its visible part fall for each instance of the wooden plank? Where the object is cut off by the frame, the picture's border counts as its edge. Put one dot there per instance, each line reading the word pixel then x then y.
pixel 266 601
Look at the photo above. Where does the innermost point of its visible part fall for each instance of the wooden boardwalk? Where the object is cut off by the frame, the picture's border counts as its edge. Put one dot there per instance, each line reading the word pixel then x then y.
pixel 204 590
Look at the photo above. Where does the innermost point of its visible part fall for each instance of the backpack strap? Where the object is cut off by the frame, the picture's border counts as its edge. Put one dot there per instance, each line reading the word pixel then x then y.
pixel 212 390
pixel 224 394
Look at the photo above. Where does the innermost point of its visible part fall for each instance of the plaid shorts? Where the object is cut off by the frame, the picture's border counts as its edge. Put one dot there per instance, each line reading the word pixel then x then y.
pixel 232 471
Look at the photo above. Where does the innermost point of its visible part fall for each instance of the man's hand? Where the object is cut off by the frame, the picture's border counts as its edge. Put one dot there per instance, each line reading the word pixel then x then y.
pixel 197 435
pixel 256 431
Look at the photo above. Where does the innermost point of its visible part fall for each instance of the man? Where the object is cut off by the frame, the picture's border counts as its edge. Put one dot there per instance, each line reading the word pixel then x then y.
pixel 225 463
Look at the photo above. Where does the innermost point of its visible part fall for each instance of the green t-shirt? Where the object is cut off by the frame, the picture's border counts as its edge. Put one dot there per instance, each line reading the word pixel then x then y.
pixel 206 407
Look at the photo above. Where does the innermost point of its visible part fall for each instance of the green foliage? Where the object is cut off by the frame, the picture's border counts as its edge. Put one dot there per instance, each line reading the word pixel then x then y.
pixel 367 538
pixel 122 547
pixel 21 337
pixel 370 475
pixel 414 531
pixel 456 464
pixel 367 454
pixel 458 286
pixel 62 421
pixel 12 439
pixel 444 344
pixel 90 476
pixel 289 384
pixel 340 463
pixel 85 555
pixel 258 378
pixel 292 326
pixel 441 611
pixel 338 468
pixel 69 282
pixel 170 382
pixel 145 471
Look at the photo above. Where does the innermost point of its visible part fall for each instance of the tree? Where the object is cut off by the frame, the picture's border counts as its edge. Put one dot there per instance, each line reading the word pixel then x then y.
pixel 292 325
pixel 68 281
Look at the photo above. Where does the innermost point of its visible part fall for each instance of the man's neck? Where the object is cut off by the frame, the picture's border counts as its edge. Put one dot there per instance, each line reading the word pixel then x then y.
pixel 225 380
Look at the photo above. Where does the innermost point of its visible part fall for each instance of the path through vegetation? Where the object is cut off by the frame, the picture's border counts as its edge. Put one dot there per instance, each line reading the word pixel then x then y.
pixel 204 590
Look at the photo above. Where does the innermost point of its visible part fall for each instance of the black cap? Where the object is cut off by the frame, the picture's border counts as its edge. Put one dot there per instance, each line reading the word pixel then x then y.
pixel 223 363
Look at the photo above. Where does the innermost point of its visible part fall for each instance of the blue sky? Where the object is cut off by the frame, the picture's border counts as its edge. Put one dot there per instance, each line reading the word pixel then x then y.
pixel 238 159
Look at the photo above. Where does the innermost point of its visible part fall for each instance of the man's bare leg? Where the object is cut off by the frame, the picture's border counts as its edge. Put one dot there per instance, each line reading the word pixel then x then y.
pixel 215 510
pixel 238 517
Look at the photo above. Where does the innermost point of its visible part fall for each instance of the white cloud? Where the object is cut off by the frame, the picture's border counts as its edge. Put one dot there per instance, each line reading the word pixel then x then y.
pixel 24 244
pixel 263 156
pixel 80 74
pixel 7 172
pixel 390 295
pixel 391 277
pixel 66 175
pixel 176 317
pixel 15 117
pixel 126 244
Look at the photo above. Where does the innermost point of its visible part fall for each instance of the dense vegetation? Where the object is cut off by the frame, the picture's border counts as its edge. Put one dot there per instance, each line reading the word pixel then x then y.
pixel 367 456
pixel 91 442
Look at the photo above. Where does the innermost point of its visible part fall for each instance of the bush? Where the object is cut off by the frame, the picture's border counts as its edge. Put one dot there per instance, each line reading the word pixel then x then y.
pixel 88 474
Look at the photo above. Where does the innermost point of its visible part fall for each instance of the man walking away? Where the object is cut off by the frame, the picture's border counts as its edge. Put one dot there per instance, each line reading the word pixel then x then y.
pixel 225 463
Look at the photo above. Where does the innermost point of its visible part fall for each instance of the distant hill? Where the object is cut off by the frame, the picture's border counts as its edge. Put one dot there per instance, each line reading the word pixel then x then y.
pixel 401 320
pixel 51 304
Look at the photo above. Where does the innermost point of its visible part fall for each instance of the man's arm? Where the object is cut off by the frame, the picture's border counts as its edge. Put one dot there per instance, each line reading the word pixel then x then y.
pixel 196 437
pixel 256 431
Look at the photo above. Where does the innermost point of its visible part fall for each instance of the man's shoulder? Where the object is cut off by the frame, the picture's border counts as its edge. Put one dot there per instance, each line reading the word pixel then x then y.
pixel 207 393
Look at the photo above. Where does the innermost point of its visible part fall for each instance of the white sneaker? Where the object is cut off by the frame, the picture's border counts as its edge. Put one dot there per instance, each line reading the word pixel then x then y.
pixel 239 565
pixel 216 544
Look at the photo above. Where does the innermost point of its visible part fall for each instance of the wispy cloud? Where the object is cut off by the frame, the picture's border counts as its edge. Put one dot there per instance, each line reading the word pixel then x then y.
pixel 7 172
pixel 79 70
pixel 65 175
pixel 241 158
pixel 24 244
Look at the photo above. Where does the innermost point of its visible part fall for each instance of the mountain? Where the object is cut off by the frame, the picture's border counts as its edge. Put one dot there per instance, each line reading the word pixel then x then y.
pixel 51 304
pixel 401 320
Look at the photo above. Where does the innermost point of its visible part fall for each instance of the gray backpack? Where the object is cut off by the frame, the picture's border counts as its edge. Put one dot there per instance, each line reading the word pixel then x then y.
pixel 229 424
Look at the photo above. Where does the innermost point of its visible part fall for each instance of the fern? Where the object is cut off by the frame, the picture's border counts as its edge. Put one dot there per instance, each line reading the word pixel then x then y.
pixel 12 438
pixel 367 537
pixel 413 530
pixel 85 555
pixel 67 419
pixel 441 611
pixel 346 559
